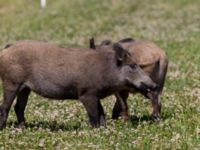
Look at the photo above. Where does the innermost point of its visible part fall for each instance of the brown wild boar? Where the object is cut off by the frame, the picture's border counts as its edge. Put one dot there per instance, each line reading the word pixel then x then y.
pixel 66 73
pixel 153 60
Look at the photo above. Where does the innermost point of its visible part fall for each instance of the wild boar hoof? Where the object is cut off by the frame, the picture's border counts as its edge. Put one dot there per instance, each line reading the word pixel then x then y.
pixel 125 116
pixel 98 123
pixel 21 125
pixel 156 118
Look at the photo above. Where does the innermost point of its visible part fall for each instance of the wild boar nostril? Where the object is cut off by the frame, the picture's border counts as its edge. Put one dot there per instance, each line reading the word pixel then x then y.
pixel 149 87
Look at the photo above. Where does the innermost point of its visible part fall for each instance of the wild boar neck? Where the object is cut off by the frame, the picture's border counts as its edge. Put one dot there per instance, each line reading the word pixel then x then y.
pixel 111 77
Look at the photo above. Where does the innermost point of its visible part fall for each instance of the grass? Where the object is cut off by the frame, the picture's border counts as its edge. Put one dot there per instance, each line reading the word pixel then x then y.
pixel 174 25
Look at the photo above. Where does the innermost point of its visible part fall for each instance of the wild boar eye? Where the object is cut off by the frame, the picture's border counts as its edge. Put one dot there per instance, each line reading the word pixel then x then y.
pixel 133 66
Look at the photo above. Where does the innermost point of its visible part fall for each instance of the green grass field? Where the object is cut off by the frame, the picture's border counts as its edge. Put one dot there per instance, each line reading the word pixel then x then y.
pixel 174 25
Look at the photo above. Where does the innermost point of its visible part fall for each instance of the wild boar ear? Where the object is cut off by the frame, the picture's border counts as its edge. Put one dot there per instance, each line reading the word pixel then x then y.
pixel 92 43
pixel 7 46
pixel 120 53
pixel 106 42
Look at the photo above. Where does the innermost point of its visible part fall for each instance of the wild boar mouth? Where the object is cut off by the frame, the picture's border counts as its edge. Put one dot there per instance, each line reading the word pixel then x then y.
pixel 142 88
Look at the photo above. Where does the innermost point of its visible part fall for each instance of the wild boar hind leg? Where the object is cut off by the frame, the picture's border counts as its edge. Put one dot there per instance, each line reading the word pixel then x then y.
pixel 94 110
pixel 155 100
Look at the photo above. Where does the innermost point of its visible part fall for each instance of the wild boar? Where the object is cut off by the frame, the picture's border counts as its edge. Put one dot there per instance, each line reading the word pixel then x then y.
pixel 153 60
pixel 66 73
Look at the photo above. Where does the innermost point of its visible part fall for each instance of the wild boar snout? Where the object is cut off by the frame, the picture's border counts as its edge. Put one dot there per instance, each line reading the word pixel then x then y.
pixel 137 79
pixel 149 85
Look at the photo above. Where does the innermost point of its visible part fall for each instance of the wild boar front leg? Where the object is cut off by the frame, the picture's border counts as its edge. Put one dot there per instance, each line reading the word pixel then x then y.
pixel 95 110
pixel 20 106
pixel 9 93
pixel 121 106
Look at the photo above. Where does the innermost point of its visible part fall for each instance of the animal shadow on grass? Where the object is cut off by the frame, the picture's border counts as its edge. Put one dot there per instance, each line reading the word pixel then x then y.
pixel 51 125
pixel 135 120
